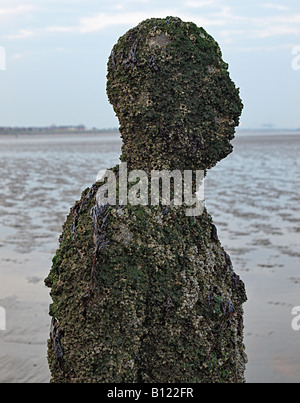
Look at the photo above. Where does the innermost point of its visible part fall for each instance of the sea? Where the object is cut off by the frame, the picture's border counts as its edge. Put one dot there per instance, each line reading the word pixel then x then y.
pixel 253 196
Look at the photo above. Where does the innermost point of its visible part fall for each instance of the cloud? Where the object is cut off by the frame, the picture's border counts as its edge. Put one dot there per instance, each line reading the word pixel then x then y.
pixel 226 21
pixel 231 25
pixel 277 26
pixel 104 20
pixel 22 34
pixel 60 29
pixel 274 48
pixel 278 7
pixel 200 3
pixel 16 10
pixel 277 30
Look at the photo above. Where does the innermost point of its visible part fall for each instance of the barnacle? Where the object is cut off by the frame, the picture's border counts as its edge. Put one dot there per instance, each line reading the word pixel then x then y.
pixel 145 293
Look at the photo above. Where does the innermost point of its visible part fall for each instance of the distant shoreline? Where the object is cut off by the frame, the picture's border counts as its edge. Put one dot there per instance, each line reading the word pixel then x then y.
pixel 73 131
pixel 20 133
pixel 55 130
pixel 266 131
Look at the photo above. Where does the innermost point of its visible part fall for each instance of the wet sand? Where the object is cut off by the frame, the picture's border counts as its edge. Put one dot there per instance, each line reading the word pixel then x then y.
pixel 252 195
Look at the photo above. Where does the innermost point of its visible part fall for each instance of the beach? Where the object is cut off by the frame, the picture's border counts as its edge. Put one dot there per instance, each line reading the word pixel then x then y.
pixel 252 196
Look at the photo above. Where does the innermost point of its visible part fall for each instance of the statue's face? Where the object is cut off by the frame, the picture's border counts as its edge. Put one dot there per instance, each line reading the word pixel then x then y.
pixel 168 82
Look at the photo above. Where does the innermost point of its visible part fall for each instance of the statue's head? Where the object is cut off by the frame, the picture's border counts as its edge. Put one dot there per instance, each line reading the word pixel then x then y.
pixel 172 93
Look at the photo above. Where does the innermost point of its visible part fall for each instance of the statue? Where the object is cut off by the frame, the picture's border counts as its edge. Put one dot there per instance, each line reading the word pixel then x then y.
pixel 146 293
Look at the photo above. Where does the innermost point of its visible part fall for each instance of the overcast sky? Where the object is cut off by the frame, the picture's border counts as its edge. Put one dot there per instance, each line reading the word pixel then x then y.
pixel 57 51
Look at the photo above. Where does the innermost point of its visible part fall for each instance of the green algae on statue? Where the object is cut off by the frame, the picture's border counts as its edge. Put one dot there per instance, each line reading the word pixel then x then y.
pixel 145 293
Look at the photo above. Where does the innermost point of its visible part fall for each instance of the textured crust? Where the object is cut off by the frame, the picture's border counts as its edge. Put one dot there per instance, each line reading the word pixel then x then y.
pixel 147 294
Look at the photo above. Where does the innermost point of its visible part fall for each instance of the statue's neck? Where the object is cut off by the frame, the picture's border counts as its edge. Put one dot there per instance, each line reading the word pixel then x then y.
pixel 146 151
